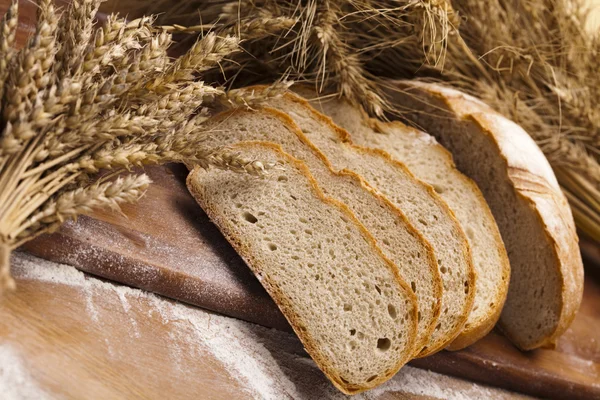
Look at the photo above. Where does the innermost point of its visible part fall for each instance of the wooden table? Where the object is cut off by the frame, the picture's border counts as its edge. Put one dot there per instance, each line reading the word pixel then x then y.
pixel 64 334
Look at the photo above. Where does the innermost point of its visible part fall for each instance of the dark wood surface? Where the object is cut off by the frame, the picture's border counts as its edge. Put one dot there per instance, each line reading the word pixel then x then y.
pixel 167 245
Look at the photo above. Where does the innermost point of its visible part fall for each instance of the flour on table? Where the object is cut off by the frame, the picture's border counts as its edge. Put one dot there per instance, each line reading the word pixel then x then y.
pixel 15 381
pixel 227 339
pixel 126 308
pixel 426 383
pixel 269 364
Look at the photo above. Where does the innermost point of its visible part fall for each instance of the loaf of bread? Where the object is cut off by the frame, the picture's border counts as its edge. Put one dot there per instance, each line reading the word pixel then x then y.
pixel 533 215
pixel 433 164
pixel 344 299
pixel 399 241
pixel 373 244
pixel 423 207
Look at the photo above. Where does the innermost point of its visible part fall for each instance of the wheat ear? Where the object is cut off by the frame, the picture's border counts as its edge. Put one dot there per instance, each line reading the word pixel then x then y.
pixel 8 31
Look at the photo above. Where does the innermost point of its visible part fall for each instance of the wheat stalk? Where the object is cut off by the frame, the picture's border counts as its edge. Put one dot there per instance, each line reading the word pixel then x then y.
pixel 327 43
pixel 207 52
pixel 80 100
pixel 74 35
pixel 81 200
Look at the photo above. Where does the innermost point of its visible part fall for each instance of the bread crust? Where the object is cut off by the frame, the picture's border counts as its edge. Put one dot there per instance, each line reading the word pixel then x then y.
pixel 535 184
pixel 431 261
pixel 308 341
pixel 466 251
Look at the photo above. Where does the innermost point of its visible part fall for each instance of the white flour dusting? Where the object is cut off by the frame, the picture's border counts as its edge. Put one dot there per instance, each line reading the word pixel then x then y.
pixel 427 383
pixel 126 308
pixel 90 307
pixel 226 339
pixel 15 381
pixel 270 364
pixel 235 346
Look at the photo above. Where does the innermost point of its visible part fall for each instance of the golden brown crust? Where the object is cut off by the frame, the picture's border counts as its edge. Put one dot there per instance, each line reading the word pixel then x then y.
pixel 561 234
pixel 545 200
pixel 309 342
pixel 432 263
pixel 345 136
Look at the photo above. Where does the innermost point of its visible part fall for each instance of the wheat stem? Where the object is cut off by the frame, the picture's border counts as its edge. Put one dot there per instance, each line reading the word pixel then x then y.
pixel 34 203
pixel 10 179
pixel 7 283
pixel 55 161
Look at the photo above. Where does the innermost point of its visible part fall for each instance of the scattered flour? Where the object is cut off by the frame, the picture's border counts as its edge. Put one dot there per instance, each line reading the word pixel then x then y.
pixel 227 339
pixel 270 364
pixel 426 383
pixel 126 308
pixel 15 381
pixel 90 307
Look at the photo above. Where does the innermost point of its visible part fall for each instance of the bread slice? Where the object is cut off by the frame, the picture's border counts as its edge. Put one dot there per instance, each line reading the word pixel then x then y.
pixel 433 164
pixel 399 241
pixel 533 215
pixel 422 206
pixel 344 299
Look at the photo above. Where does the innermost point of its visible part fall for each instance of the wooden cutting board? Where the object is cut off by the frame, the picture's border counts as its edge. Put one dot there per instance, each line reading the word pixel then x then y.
pixel 167 245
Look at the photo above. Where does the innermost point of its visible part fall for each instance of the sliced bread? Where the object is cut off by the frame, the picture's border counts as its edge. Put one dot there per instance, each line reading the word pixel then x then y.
pixel 422 206
pixel 433 164
pixel 532 213
pixel 399 241
pixel 344 299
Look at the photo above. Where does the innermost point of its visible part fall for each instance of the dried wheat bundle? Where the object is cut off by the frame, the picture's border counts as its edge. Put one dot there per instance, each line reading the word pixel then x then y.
pixel 78 101
pixel 532 60
pixel 325 42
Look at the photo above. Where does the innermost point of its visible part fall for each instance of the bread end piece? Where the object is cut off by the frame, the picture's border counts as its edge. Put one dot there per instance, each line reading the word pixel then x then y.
pixel 533 214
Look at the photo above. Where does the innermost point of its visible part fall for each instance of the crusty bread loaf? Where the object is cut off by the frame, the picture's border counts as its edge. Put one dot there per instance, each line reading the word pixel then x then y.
pixel 344 299
pixel 399 241
pixel 422 206
pixel 433 164
pixel 533 215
